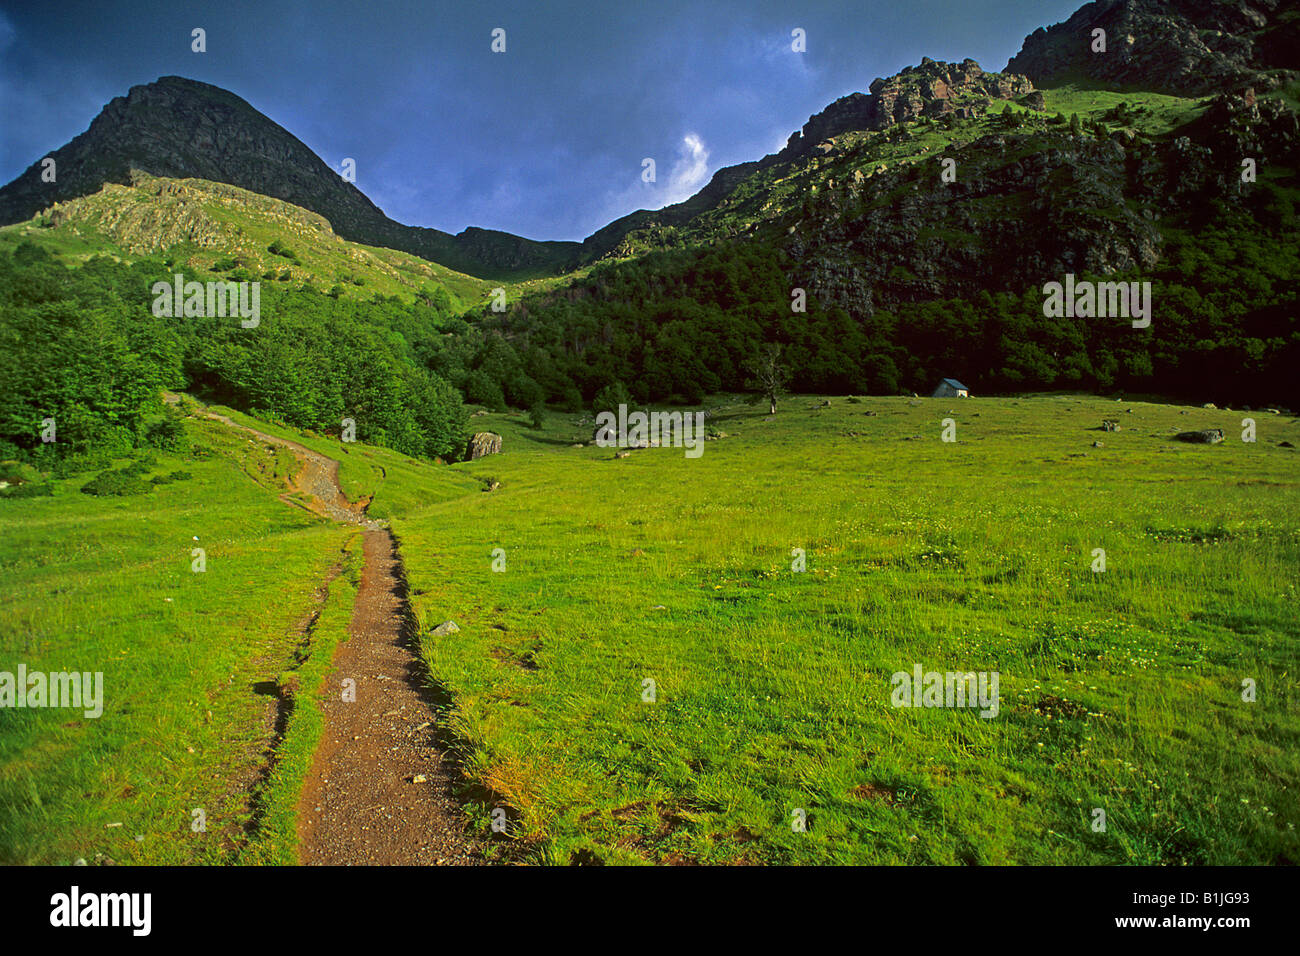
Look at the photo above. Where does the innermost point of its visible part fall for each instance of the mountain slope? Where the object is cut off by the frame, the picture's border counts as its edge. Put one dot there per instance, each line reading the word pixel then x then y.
pixel 199 223
pixel 1183 47
pixel 184 129
pixel 936 89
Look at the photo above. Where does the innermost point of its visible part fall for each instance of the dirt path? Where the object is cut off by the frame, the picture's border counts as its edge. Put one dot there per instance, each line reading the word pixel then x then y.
pixel 379 790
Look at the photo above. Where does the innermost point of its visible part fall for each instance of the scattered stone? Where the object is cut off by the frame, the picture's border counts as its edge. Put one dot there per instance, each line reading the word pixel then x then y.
pixel 1098 444
pixel 483 444
pixel 623 454
pixel 445 628
pixel 419 778
pixel 659 607
pixel 1206 436
pixel 1110 425
pixel 1209 405
pixel 578 445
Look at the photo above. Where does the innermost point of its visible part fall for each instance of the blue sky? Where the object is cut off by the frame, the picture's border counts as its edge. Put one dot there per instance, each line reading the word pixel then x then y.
pixel 545 140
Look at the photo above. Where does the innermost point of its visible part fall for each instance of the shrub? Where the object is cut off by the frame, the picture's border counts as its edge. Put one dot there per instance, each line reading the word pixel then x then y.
pixel 610 397
pixel 480 389
pixel 174 476
pixel 117 483
pixel 28 489
pixel 167 434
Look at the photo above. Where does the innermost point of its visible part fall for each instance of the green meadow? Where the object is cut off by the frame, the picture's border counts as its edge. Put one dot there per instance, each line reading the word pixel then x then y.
pixel 1120 691
pixel 642 675
pixel 190 660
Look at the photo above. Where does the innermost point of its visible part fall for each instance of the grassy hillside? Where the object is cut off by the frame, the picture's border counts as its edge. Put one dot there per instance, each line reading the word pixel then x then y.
pixel 1119 690
pixel 190 660
pixel 764 201
pixel 199 223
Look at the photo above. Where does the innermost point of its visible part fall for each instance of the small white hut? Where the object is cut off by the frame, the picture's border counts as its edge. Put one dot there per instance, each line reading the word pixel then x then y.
pixel 951 388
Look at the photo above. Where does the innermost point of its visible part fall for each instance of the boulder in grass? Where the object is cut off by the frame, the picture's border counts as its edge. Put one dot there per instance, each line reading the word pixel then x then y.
pixel 483 444
pixel 1110 425
pixel 445 628
pixel 1206 436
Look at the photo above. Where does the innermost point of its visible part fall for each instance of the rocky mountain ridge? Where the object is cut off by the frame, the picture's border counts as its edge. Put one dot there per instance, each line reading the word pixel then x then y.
pixel 1181 47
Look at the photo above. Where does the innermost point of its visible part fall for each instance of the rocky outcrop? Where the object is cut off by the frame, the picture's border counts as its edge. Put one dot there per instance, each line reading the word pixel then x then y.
pixel 1180 47
pixel 483 444
pixel 931 89
pixel 1206 436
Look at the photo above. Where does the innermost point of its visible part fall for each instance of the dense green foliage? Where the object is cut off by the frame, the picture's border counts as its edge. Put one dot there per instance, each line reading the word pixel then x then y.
pixel 83 347
pixel 682 324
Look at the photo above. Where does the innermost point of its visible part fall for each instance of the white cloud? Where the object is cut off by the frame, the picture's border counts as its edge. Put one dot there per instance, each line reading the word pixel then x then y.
pixel 677 181
pixel 689 172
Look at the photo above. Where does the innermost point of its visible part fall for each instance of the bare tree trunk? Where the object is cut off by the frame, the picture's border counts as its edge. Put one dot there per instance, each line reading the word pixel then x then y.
pixel 772 400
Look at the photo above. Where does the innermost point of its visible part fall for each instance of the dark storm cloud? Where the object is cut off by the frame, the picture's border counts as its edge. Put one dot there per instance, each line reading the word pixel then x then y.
pixel 545 140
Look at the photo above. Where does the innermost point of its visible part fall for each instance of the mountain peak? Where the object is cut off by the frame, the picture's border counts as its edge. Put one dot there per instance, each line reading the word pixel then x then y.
pixel 179 128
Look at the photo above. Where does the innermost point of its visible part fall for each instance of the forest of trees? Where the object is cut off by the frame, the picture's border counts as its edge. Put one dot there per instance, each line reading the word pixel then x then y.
pixel 81 345
pixel 676 326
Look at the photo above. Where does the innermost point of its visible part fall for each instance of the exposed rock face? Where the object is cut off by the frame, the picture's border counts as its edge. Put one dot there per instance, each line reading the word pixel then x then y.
pixel 175 212
pixel 931 89
pixel 181 129
pixel 1207 436
pixel 934 88
pixel 483 444
pixel 1182 47
pixel 1034 204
